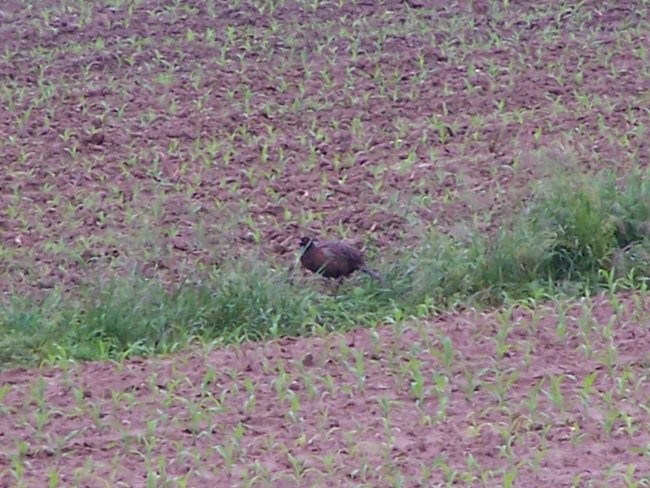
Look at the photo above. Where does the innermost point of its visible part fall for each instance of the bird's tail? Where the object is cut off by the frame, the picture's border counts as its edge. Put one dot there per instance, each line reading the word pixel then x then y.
pixel 375 275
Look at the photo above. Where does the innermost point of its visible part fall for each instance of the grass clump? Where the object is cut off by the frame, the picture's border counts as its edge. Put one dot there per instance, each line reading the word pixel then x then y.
pixel 570 231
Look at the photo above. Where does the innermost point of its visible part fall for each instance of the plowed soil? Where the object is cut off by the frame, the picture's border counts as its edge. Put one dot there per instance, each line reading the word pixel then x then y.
pixel 343 410
pixel 163 136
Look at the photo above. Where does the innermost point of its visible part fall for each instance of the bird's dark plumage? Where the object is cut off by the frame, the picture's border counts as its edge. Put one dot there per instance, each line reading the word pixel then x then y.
pixel 333 259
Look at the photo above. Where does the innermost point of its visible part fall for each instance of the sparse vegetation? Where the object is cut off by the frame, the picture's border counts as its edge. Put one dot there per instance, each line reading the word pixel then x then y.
pixel 576 235
pixel 160 158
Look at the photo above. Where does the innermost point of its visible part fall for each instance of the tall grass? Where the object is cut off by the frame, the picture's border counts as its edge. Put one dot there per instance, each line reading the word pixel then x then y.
pixel 572 234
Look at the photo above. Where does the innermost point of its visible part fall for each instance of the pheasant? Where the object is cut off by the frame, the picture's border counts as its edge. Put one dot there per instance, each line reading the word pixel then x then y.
pixel 334 259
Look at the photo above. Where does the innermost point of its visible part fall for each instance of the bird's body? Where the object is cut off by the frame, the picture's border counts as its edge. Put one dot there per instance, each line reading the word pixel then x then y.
pixel 333 259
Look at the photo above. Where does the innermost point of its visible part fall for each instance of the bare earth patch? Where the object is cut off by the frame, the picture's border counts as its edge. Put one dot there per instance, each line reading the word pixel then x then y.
pixel 152 136
pixel 545 398
pixel 160 138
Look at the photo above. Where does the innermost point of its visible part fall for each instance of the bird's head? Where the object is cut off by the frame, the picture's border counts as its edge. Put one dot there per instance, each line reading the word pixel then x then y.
pixel 306 242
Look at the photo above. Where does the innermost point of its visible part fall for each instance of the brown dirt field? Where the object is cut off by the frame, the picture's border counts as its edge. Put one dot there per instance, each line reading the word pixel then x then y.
pixel 305 413
pixel 163 137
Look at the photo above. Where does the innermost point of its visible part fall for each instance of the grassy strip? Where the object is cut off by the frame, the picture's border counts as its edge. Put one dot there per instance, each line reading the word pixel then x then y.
pixel 577 233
